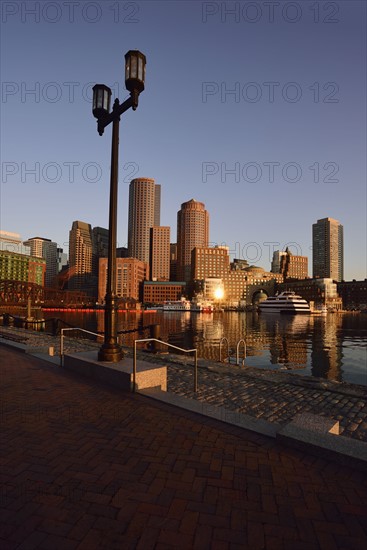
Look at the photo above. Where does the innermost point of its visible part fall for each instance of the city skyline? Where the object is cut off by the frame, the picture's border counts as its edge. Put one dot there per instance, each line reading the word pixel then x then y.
pixel 260 116
pixel 156 215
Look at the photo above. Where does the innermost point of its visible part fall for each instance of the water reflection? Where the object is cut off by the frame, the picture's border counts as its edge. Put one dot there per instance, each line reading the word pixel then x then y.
pixel 326 355
pixel 331 347
pixel 288 345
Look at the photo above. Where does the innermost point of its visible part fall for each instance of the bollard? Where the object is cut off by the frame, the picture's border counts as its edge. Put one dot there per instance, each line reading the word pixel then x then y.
pixel 18 322
pixel 38 314
pixel 55 326
pixel 29 308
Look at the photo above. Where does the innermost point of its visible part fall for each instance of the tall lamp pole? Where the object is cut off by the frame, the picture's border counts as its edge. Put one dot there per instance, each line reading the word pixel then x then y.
pixel 135 63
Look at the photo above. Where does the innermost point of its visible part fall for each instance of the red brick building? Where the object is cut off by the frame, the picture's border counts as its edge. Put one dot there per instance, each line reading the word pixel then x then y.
pixel 157 292
pixel 130 274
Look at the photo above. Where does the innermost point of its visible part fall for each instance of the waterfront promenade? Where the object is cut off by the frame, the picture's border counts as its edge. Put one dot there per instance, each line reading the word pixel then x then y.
pixel 84 466
pixel 269 395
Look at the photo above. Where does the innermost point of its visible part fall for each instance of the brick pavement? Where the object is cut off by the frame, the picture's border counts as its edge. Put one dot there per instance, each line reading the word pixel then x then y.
pixel 84 466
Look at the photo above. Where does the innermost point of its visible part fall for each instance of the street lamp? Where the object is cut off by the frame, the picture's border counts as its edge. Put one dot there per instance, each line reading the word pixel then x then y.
pixel 135 63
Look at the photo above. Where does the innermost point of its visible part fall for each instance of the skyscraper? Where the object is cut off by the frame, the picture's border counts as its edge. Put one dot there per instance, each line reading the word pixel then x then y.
pixel 45 248
pixel 192 231
pixel 160 253
pixel 80 255
pixel 157 204
pixel 100 247
pixel 327 249
pixel 144 213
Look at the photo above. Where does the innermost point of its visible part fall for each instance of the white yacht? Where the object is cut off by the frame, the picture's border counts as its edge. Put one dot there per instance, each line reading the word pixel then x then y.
pixel 285 302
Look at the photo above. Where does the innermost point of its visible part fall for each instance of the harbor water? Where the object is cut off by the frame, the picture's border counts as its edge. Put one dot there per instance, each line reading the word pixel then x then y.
pixel 331 346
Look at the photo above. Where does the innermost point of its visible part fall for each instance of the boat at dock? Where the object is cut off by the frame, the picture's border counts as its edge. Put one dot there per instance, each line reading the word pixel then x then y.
pixel 195 305
pixel 285 302
pixel 201 305
pixel 177 305
pixel 320 310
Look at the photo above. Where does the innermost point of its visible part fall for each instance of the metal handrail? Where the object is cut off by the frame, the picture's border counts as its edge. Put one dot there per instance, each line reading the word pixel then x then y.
pixel 238 351
pixel 195 351
pixel 220 348
pixel 62 339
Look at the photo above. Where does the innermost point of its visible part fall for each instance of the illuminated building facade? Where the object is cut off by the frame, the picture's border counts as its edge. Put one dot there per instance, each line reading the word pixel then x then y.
pixel 192 232
pixel 328 249
pixel 157 292
pixel 159 253
pixel 144 213
pixel 130 274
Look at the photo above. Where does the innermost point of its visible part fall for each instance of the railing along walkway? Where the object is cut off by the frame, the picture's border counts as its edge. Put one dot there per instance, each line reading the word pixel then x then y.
pixel 62 339
pixel 194 351
pixel 225 340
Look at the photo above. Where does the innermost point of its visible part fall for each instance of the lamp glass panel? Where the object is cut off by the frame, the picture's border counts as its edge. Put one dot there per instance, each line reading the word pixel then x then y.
pixel 106 100
pixel 140 69
pixel 100 98
pixel 134 67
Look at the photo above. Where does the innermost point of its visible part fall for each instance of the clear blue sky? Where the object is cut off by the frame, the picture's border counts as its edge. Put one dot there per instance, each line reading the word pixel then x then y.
pixel 259 112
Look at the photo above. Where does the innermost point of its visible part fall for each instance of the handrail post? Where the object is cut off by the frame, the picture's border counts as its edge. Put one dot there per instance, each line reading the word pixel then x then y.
pixel 238 351
pixel 134 367
pixel 62 339
pixel 61 345
pixel 195 351
pixel 196 372
pixel 220 348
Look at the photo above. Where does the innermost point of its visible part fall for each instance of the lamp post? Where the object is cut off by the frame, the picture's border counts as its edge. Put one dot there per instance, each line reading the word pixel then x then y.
pixel 135 63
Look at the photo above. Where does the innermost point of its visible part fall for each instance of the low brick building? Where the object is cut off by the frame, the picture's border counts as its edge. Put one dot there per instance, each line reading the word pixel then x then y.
pixel 353 294
pixel 157 292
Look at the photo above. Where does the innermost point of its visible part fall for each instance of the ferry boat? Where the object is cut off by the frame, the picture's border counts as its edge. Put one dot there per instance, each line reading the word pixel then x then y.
pixel 285 302
pixel 179 305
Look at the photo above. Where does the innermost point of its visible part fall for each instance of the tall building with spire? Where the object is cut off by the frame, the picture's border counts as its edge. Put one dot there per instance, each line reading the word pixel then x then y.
pixel 328 249
pixel 192 232
pixel 144 213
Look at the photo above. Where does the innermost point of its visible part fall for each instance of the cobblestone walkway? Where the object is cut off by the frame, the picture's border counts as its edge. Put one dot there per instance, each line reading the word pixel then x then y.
pixel 275 397
pixel 86 467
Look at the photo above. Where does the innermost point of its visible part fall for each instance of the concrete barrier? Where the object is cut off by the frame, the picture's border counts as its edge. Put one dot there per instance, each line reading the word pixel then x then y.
pixel 120 374
pixel 319 434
